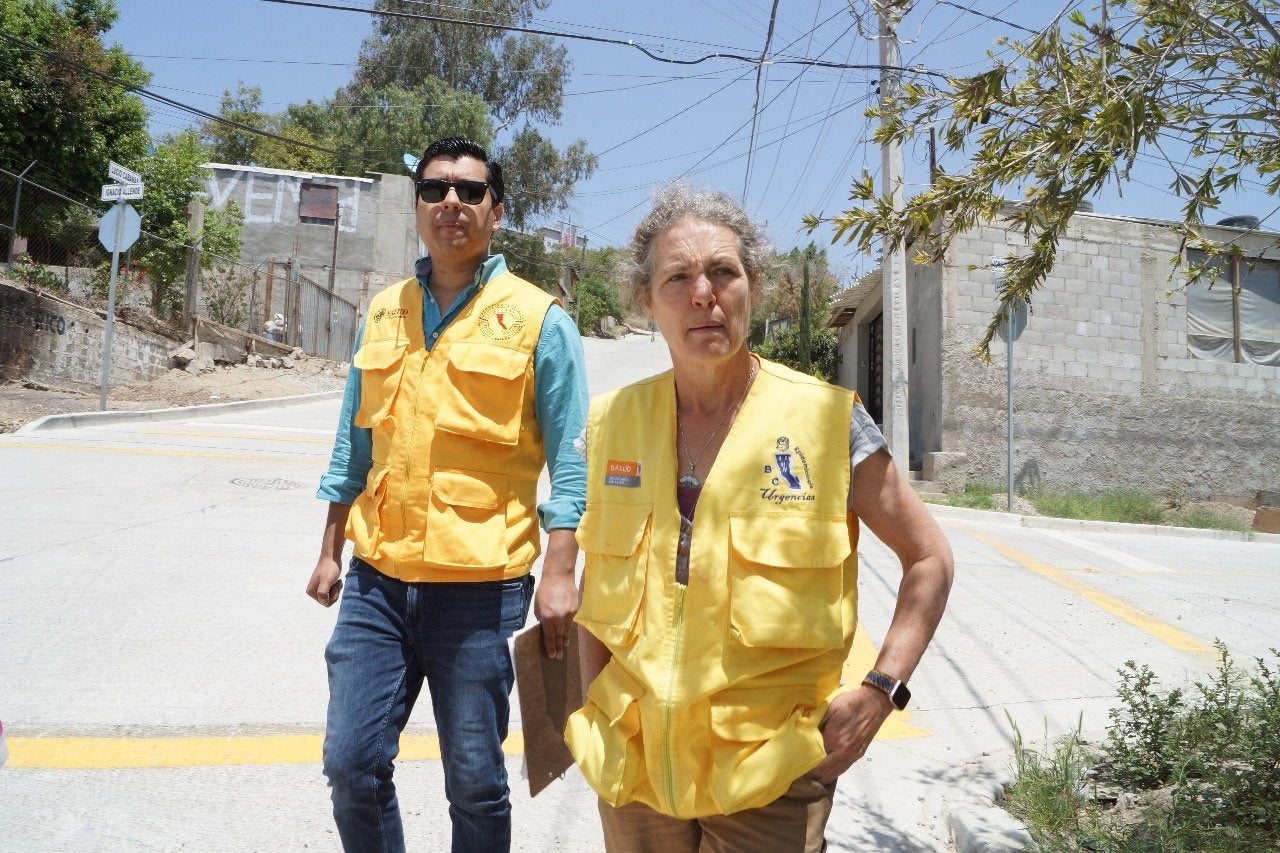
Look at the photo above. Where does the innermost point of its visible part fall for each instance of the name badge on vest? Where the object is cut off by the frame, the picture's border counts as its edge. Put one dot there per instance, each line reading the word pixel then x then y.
pixel 625 474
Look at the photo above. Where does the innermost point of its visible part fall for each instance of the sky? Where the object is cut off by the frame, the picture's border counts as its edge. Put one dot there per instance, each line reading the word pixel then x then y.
pixel 649 121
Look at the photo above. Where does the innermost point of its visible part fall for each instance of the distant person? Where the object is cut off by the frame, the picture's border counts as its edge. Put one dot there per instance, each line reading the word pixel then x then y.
pixel 719 598
pixel 275 328
pixel 466 381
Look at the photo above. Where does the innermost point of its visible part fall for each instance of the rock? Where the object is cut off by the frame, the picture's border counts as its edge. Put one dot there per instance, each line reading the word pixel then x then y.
pixel 271 363
pixel 1125 801
pixel 298 354
pixel 1267 519
pixel 252 359
pixel 184 356
pixel 286 363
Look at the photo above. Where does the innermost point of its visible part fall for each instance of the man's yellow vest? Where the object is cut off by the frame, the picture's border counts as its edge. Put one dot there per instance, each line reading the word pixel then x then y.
pixel 712 699
pixel 452 493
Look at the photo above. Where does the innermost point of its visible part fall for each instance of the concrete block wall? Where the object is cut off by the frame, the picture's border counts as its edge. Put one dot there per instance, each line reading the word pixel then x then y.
pixel 1106 392
pixel 59 344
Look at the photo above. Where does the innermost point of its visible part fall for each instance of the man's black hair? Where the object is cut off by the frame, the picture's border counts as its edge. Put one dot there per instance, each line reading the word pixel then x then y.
pixel 456 146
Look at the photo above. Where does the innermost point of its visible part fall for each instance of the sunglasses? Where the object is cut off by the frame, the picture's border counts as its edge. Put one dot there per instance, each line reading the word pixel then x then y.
pixel 434 190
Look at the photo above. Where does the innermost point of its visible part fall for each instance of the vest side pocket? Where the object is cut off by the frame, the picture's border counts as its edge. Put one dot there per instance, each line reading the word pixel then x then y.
pixel 486 390
pixel 381 365
pixel 615 539
pixel 466 520
pixel 604 735
pixel 763 739
pixel 365 526
pixel 786 579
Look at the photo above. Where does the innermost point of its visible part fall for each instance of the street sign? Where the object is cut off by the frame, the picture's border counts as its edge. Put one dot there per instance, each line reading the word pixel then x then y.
pixel 1017 319
pixel 120 192
pixel 130 229
pixel 121 175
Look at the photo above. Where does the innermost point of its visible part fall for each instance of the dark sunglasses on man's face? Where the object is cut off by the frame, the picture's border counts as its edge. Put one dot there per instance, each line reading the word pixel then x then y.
pixel 433 190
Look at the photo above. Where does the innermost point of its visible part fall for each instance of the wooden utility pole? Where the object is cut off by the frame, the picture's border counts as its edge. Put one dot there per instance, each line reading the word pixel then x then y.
pixel 893 262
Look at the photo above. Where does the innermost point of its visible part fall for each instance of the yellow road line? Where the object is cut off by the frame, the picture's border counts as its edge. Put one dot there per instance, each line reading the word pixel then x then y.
pixel 100 753
pixel 307 460
pixel 1162 631
pixel 260 436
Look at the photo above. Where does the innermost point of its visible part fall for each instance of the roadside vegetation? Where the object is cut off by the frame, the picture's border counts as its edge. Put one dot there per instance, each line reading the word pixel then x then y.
pixel 1180 769
pixel 1124 505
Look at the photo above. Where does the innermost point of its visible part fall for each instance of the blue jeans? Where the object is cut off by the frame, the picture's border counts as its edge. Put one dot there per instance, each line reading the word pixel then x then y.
pixel 390 635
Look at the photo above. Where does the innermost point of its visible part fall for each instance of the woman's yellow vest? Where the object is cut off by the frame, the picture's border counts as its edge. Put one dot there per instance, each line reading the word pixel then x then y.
pixel 712 699
pixel 457 452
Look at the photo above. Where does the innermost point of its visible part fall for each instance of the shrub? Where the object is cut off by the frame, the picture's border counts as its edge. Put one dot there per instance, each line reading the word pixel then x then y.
pixel 28 271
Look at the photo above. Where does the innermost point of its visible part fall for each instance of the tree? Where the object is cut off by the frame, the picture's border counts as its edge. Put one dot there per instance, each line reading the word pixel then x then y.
pixel 528 258
pixel 517 75
pixel 173 179
pixel 785 275
pixel 1072 111
pixel 228 143
pixel 371 128
pixel 520 77
pixel 56 108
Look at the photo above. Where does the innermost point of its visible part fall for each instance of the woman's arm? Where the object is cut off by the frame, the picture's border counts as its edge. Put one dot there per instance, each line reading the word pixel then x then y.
pixel 885 502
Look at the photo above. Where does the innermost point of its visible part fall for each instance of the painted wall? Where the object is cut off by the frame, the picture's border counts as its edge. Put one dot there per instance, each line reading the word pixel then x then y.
pixel 375 237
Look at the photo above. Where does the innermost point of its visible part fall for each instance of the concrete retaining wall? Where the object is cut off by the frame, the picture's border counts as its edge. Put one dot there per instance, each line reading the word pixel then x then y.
pixel 56 343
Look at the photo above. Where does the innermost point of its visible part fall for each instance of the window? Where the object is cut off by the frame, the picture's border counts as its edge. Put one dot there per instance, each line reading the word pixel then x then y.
pixel 318 204
pixel 1235 325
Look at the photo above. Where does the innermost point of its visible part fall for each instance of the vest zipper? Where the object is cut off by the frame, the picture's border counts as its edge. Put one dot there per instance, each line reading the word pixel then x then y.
pixel 669 704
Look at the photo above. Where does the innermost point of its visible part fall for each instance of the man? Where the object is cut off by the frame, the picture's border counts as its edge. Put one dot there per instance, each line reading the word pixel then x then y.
pixel 466 380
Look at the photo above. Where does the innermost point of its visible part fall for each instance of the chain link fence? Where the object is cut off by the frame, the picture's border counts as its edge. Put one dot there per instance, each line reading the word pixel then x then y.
pixel 50 241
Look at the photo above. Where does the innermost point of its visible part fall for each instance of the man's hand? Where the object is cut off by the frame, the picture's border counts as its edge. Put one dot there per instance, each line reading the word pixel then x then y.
pixel 851 722
pixel 556 600
pixel 326 581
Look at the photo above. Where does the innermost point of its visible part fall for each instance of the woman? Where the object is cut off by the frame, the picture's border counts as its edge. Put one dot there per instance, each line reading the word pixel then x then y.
pixel 720 592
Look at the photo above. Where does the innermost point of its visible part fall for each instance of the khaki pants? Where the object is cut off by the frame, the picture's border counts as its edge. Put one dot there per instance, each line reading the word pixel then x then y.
pixel 793 823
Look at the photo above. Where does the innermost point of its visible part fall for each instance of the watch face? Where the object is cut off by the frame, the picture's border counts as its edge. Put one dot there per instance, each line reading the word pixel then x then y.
pixel 900 696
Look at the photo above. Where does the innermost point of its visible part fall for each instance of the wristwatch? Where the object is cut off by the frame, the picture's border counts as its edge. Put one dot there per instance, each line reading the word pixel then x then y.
pixel 897 692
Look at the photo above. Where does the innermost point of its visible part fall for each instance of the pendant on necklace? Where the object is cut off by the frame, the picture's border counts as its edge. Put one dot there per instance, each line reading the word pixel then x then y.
pixel 688 481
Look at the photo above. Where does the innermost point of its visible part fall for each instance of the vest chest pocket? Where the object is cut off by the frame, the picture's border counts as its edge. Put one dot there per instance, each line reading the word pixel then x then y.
pixel 786 580
pixel 466 520
pixel 615 538
pixel 381 365
pixel 485 392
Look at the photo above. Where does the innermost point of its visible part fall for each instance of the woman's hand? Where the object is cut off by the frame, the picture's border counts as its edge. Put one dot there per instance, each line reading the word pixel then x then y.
pixel 851 722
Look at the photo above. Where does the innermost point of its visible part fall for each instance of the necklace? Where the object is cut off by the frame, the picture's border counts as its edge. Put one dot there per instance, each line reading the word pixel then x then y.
pixel 690 479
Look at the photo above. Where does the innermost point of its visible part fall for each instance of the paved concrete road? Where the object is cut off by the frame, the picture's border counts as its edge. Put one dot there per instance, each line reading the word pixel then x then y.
pixel 162 685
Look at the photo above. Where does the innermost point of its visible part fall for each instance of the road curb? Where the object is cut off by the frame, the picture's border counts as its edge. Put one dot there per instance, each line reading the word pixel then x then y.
pixel 1045 522
pixel 78 420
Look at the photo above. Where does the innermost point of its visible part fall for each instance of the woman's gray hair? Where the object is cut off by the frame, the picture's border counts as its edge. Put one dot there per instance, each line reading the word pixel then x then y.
pixel 673 203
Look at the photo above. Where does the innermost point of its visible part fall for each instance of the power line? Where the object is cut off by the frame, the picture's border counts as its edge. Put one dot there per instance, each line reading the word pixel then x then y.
pixel 781 60
pixel 994 18
pixel 146 93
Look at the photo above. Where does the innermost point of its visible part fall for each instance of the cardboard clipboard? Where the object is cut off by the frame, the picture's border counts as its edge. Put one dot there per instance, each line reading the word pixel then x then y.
pixel 549 691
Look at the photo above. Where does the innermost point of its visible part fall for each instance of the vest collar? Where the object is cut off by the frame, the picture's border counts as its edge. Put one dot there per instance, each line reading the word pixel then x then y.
pixel 494 266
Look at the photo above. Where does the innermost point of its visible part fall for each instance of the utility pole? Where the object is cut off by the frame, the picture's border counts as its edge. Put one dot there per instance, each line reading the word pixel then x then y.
pixel 17 201
pixel 893 262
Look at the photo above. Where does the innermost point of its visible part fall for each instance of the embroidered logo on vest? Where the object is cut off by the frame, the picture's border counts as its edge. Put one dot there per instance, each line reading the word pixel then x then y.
pixel 392 314
pixel 789 475
pixel 501 322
